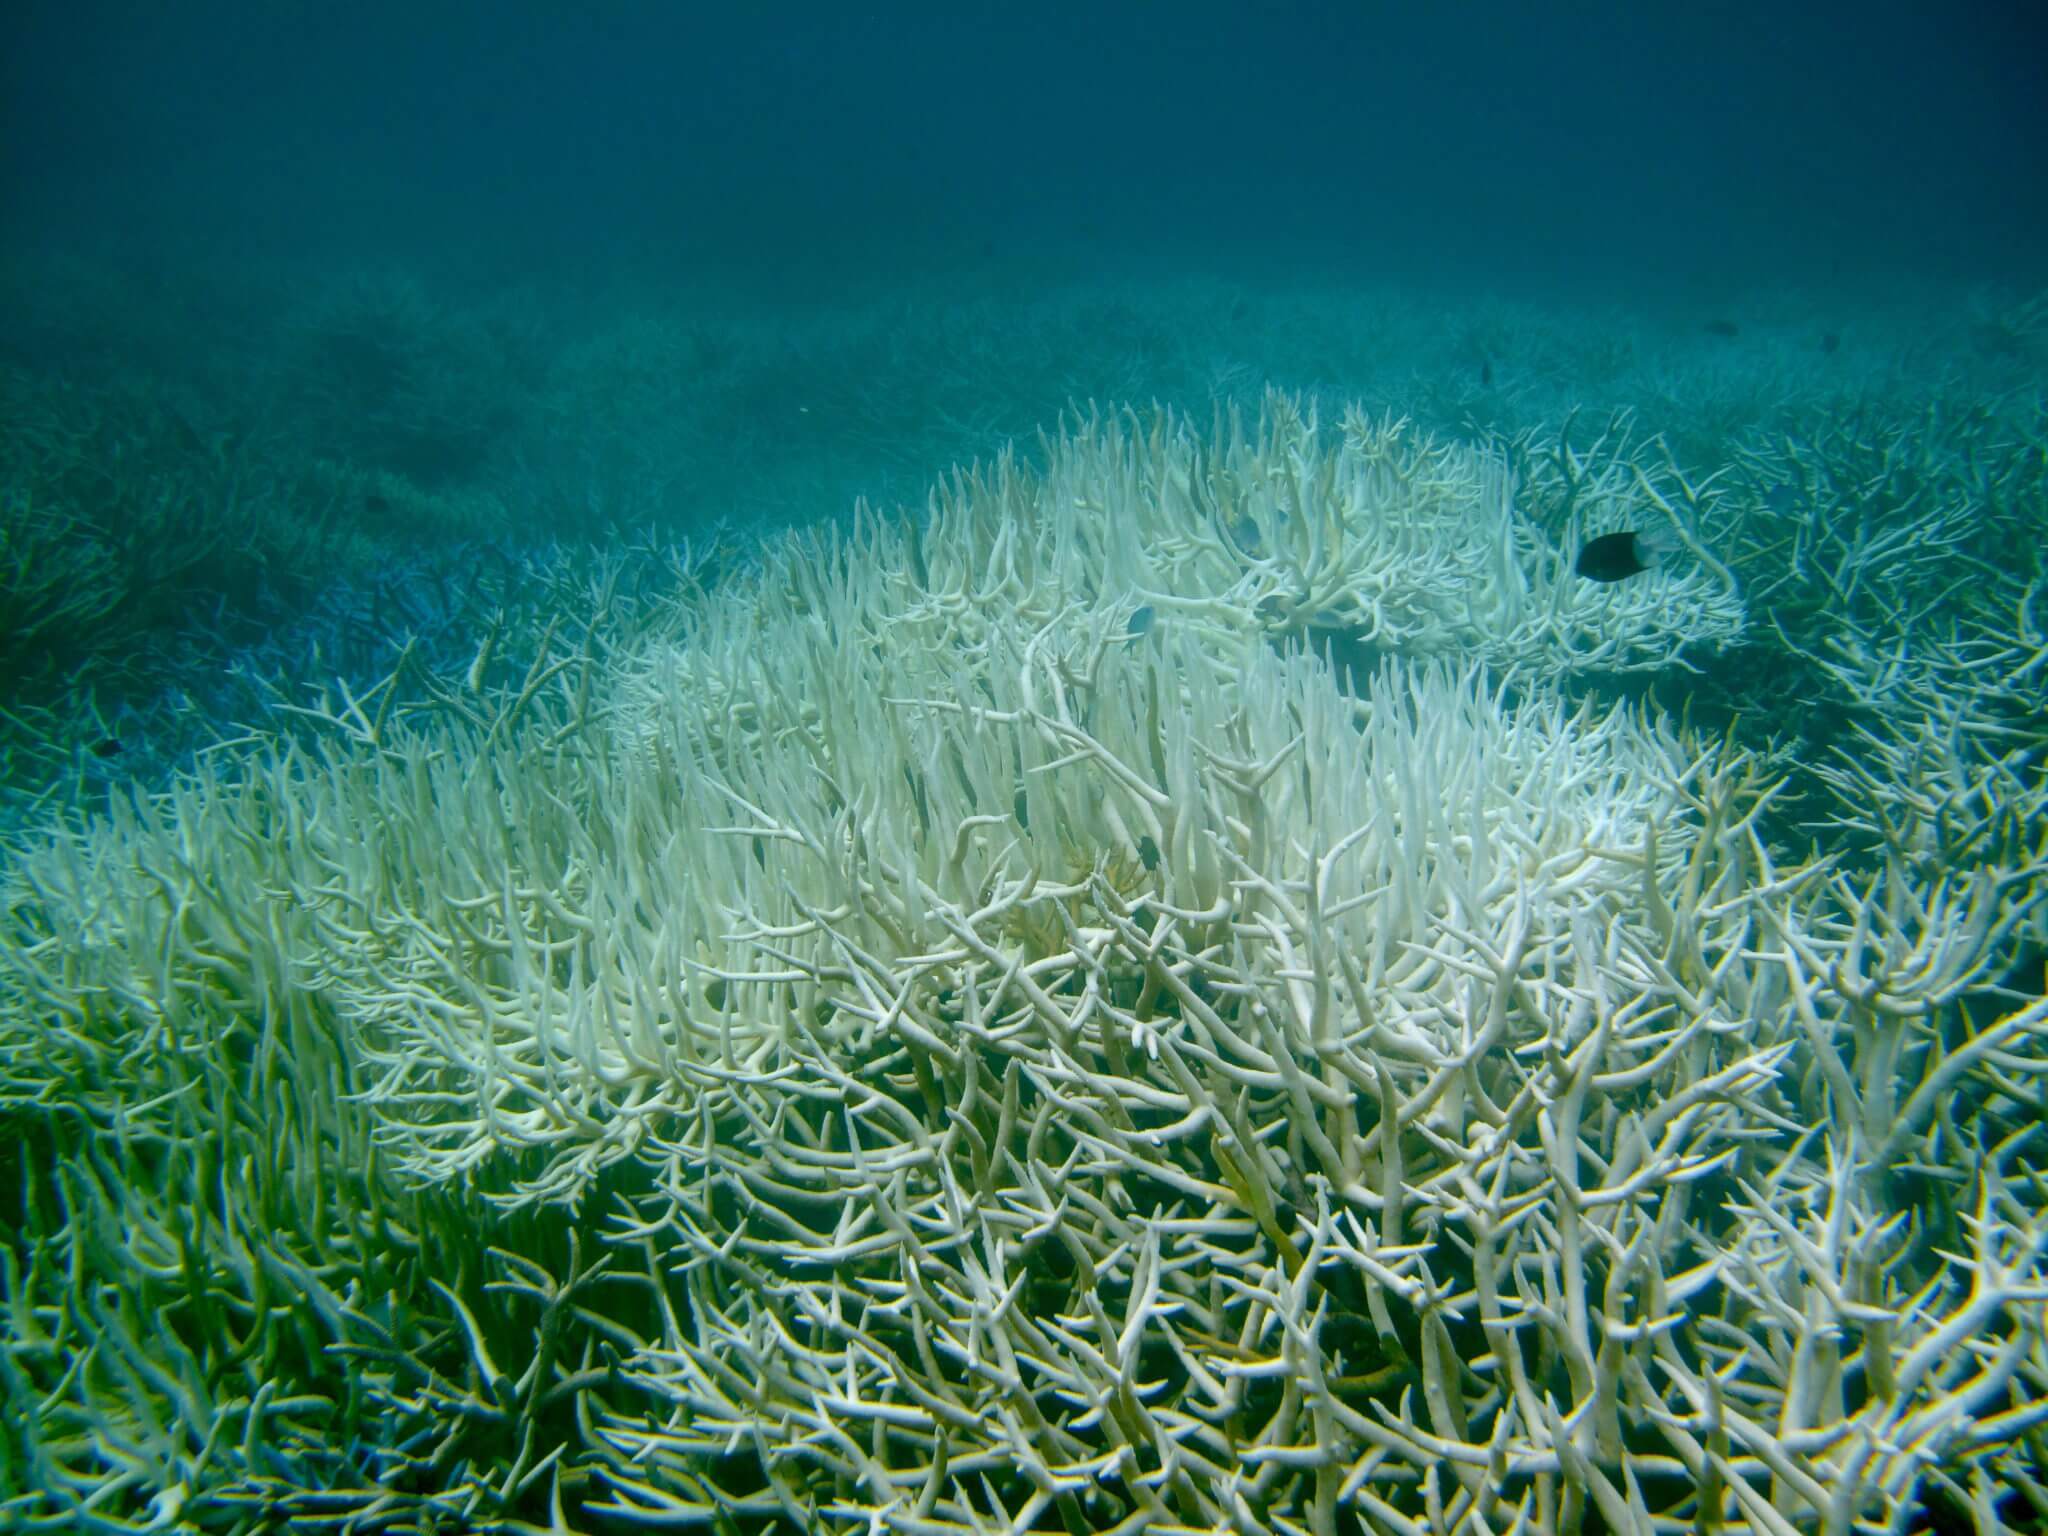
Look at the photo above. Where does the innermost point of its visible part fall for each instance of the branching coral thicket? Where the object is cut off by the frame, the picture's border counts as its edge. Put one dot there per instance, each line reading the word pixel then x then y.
pixel 1903 579
pixel 131 542
pixel 977 1029
pixel 1384 536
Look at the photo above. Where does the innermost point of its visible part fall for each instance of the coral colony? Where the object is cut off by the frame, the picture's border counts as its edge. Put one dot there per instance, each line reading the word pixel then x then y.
pixel 981 1024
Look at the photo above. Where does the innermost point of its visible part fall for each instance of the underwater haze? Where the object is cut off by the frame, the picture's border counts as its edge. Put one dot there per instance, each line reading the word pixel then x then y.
pixel 1632 147
pixel 935 769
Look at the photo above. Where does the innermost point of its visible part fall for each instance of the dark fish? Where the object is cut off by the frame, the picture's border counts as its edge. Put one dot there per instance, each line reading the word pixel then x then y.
pixel 107 746
pixel 1830 343
pixel 1148 852
pixel 1612 557
pixel 1141 622
pixel 1246 532
pixel 1723 328
pixel 1486 373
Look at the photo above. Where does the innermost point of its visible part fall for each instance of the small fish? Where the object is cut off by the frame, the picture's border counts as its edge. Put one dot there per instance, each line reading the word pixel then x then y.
pixel 1141 622
pixel 1246 532
pixel 1830 343
pixel 1618 556
pixel 1782 498
pixel 1724 328
pixel 108 746
pixel 1486 373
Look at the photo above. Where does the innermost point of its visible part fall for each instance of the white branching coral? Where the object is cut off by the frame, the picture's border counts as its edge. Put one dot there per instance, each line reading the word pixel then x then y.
pixel 912 1048
pixel 1397 541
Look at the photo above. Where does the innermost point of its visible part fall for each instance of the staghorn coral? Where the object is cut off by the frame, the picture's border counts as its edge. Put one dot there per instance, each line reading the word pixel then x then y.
pixel 1407 544
pixel 899 1050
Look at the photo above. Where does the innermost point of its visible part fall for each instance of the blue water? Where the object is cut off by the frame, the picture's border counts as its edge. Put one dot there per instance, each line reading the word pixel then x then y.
pixel 1624 146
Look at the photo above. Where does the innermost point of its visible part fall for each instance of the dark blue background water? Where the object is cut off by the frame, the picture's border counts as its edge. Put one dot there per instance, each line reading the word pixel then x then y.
pixel 1612 143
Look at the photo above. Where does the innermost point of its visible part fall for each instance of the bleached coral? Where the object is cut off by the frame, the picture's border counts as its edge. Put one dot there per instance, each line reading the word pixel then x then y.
pixel 1402 542
pixel 909 1048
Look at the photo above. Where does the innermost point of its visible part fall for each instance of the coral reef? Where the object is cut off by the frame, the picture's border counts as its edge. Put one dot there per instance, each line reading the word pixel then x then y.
pixel 897 1043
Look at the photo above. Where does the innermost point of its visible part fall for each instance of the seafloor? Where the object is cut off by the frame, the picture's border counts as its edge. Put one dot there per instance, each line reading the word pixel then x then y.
pixel 1182 970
